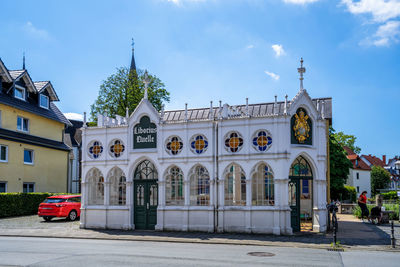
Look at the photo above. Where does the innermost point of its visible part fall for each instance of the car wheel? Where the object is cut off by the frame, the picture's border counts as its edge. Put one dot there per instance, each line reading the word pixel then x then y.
pixel 72 215
pixel 47 218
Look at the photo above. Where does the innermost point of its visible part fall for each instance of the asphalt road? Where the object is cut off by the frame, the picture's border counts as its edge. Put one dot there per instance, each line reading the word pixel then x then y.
pixel 26 251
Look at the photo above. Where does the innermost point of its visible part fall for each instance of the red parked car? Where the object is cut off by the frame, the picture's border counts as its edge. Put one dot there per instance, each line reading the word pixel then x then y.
pixel 68 206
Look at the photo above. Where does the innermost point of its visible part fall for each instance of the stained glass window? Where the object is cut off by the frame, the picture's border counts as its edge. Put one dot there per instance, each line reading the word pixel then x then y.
pixel 300 167
pixel 95 187
pixel 235 186
pixel 262 140
pixel 95 149
pixel 117 148
pixel 199 186
pixel 263 186
pixel 118 186
pixel 233 142
pixel 174 145
pixel 174 188
pixel 198 144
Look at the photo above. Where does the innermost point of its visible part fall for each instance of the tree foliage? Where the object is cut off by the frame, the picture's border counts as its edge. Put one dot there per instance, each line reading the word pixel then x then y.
pixel 339 166
pixel 125 89
pixel 347 140
pixel 380 179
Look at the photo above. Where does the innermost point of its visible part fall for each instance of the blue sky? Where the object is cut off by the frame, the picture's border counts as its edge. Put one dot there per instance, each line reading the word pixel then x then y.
pixel 221 50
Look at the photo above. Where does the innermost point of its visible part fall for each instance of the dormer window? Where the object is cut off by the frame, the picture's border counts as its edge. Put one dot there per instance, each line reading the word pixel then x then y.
pixel 19 92
pixel 44 101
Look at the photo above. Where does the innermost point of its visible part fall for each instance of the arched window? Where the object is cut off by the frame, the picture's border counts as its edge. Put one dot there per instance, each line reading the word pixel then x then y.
pixel 146 171
pixel 118 186
pixel 96 187
pixel 262 186
pixel 174 189
pixel 199 186
pixel 235 186
pixel 300 168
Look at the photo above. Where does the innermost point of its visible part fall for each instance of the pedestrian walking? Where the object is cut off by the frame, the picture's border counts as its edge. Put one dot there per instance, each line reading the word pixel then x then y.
pixel 362 202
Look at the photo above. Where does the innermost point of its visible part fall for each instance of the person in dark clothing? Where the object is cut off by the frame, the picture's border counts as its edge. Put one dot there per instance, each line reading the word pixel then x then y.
pixel 376 215
pixel 362 202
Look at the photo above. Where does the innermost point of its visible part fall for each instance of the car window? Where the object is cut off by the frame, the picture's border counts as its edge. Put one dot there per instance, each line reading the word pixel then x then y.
pixel 75 199
pixel 54 200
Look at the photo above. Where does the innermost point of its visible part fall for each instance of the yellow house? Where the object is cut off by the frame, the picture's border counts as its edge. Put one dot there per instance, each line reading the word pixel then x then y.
pixel 33 155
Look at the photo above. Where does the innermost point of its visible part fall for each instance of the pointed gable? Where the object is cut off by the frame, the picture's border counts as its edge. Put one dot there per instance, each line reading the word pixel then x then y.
pixel 4 72
pixel 47 86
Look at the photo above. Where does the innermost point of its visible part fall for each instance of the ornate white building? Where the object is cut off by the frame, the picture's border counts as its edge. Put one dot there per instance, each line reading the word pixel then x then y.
pixel 256 168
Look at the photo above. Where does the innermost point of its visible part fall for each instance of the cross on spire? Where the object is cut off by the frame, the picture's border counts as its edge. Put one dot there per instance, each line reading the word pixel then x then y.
pixel 301 70
pixel 133 44
pixel 146 84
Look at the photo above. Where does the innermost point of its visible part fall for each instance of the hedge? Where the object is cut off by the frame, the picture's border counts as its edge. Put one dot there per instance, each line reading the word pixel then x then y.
pixel 19 204
pixel 392 195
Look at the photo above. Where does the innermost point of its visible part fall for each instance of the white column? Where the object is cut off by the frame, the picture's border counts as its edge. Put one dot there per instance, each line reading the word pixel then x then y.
pixel 248 205
pixel 107 186
pixel 221 200
pixel 212 196
pixel 161 204
pixel 129 203
pixel 185 213
pixel 82 222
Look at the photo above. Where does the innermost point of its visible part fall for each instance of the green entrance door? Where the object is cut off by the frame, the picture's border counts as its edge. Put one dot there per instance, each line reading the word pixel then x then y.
pixel 300 178
pixel 294 203
pixel 145 196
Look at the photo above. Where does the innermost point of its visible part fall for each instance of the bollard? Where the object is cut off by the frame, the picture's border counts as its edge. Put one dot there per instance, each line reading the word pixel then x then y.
pixel 334 235
pixel 392 237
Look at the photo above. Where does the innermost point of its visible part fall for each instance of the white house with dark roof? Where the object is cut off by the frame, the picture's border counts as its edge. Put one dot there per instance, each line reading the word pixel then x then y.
pixel 255 168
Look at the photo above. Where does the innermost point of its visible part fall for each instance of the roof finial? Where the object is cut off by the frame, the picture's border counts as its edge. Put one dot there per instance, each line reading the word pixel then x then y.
pixel 146 84
pixel 23 61
pixel 133 44
pixel 301 70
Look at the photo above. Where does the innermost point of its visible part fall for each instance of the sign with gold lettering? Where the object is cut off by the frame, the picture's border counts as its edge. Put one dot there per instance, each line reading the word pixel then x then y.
pixel 144 134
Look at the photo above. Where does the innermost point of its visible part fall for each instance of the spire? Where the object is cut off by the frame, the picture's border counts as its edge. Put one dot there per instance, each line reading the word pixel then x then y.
pixel 146 84
pixel 301 70
pixel 23 61
pixel 133 64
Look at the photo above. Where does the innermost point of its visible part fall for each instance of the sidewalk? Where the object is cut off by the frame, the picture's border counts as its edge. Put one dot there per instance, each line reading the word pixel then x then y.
pixel 353 234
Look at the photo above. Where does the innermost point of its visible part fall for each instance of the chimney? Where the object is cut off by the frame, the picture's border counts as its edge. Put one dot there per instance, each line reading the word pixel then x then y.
pixel 384 159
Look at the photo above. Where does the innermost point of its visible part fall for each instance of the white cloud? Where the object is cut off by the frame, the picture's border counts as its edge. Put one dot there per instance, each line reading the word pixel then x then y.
pixel 387 33
pixel 74 116
pixel 250 46
pixel 272 75
pixel 380 10
pixel 35 32
pixel 278 49
pixel 180 2
pixel 384 13
pixel 300 2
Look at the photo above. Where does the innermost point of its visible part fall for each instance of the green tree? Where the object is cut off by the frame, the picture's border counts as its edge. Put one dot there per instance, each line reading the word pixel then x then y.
pixel 380 179
pixel 339 166
pixel 347 140
pixel 125 89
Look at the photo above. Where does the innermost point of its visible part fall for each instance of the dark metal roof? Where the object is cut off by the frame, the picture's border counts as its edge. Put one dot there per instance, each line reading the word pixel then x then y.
pixel 52 113
pixel 74 132
pixel 255 110
pixel 32 140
